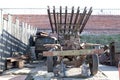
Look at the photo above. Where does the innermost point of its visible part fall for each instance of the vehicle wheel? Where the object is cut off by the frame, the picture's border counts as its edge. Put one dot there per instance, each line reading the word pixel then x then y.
pixel 93 64
pixel 40 57
pixel 50 64
pixel 54 60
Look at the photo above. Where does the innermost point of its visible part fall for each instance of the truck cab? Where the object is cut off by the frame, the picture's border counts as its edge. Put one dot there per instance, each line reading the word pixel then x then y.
pixel 41 42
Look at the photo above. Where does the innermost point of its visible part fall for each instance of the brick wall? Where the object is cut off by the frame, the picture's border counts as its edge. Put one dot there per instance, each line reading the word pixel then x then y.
pixel 104 21
pixel 96 24
pixel 104 24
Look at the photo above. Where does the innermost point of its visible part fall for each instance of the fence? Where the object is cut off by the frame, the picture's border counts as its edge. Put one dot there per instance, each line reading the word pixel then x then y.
pixel 14 37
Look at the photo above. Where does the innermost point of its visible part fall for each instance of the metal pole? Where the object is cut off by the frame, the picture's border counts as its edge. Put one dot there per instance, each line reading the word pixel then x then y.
pixel 76 18
pixel 85 20
pixel 49 15
pixel 71 18
pixel 55 19
pixel 65 19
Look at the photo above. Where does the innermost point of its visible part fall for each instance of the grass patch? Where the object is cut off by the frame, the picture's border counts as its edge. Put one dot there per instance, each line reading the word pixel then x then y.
pixel 100 39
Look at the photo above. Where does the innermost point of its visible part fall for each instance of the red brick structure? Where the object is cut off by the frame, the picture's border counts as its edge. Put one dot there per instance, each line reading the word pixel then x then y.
pixel 104 24
pixel 96 24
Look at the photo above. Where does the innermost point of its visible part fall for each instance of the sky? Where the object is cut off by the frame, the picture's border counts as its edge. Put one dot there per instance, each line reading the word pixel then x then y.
pixel 97 5
pixel 44 3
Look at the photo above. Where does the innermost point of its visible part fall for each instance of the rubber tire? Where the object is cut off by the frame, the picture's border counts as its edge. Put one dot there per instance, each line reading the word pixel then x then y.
pixel 93 64
pixel 49 63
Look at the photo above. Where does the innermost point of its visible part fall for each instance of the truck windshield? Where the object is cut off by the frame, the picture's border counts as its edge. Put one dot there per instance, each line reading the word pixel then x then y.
pixel 45 41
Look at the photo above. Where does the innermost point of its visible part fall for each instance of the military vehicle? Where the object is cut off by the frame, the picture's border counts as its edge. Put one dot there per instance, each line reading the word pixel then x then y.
pixel 68 25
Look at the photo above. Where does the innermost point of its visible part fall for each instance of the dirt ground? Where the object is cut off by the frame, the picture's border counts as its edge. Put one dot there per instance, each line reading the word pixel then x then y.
pixel 38 71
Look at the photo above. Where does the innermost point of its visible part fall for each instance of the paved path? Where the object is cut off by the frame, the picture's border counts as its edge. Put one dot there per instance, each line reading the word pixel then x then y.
pixel 110 71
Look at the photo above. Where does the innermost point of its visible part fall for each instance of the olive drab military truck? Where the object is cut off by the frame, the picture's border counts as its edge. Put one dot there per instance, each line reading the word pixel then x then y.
pixel 42 42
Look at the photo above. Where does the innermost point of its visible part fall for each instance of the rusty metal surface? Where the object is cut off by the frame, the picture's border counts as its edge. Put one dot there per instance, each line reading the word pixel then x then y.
pixel 68 25
pixel 63 22
pixel 111 55
pixel 49 15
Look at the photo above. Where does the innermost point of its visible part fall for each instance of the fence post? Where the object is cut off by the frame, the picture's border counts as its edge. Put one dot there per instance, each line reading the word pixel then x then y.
pixel 20 33
pixel 13 29
pixel 29 27
pixel 26 33
pixel 1 21
pixel 31 30
pixel 15 34
pixel 23 31
pixel 17 28
pixel 9 23
pixel 35 31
